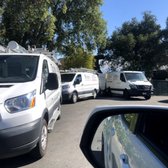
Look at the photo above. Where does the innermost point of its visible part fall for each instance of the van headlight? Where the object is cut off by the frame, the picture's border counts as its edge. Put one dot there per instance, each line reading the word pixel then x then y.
pixel 21 103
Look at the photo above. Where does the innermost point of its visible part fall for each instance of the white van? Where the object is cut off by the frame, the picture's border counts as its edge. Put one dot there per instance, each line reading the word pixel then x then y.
pixel 129 83
pixel 30 87
pixel 76 85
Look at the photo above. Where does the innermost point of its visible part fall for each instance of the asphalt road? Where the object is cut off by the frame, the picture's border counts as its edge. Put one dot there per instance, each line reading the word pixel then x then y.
pixel 63 147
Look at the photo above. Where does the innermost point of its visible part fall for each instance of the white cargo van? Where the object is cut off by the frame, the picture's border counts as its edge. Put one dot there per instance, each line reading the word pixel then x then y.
pixel 128 83
pixel 76 85
pixel 30 87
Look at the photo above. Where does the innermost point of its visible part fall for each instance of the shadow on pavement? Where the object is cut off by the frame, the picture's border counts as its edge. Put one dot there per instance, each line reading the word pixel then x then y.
pixel 17 161
pixel 163 101
pixel 120 98
pixel 114 98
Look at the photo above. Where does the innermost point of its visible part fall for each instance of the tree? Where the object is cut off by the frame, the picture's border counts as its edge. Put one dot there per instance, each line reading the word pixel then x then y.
pixel 55 23
pixel 79 23
pixel 137 45
pixel 78 59
pixel 28 22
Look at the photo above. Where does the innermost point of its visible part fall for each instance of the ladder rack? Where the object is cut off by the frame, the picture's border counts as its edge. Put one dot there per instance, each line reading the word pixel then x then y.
pixel 79 70
pixel 14 47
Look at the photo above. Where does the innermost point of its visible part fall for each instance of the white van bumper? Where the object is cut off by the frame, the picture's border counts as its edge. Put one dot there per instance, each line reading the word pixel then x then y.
pixel 19 140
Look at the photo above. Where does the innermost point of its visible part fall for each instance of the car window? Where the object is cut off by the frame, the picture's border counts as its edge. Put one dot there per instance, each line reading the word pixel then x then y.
pixel 122 78
pixel 45 73
pixel 150 128
pixel 18 68
pixel 67 77
pixel 78 78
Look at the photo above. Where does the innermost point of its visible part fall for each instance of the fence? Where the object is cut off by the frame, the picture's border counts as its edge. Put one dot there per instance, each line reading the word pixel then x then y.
pixel 160 87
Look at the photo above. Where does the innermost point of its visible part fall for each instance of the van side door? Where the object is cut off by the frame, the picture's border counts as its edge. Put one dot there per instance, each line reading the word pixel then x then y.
pixel 78 84
pixel 52 97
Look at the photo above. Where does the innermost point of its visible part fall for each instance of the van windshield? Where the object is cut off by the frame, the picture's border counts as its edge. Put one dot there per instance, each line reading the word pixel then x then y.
pixel 67 77
pixel 18 68
pixel 135 77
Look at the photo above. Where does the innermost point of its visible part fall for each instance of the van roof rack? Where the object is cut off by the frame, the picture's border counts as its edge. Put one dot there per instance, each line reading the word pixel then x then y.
pixel 14 47
pixel 79 70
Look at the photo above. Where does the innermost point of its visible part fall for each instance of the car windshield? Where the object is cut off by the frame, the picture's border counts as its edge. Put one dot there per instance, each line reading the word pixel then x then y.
pixel 17 68
pixel 135 77
pixel 67 77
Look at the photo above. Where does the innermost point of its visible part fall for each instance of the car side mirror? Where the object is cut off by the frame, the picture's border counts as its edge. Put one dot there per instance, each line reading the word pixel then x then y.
pixel 126 136
pixel 52 82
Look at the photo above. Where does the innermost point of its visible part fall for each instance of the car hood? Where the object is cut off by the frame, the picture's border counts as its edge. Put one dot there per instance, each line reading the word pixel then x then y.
pixel 140 83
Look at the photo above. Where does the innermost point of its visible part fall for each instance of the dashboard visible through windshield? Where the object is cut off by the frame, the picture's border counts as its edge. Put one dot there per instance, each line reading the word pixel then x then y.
pixel 18 68
pixel 67 77
pixel 135 77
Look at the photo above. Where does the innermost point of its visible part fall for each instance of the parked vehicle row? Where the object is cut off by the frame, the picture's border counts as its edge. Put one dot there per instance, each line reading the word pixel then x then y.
pixel 126 83
pixel 76 85
pixel 31 95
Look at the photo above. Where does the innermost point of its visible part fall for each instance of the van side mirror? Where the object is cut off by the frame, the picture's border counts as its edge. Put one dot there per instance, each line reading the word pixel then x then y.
pixel 52 82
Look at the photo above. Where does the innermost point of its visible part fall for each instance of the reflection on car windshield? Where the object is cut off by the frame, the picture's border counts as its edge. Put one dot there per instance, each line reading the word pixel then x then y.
pixel 67 77
pixel 18 68
pixel 135 77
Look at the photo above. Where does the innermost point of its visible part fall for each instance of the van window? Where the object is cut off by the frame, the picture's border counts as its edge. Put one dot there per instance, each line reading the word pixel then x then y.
pixel 67 77
pixel 152 129
pixel 18 68
pixel 122 78
pixel 45 73
pixel 135 77
pixel 78 79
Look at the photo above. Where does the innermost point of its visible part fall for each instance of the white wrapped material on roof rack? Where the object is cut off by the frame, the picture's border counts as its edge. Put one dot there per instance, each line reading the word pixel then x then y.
pixel 14 47
pixel 79 70
pixel 2 49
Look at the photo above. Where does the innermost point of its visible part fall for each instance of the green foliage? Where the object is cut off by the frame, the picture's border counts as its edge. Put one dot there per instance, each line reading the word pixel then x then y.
pixel 137 45
pixel 28 22
pixel 79 23
pixel 57 23
pixel 78 59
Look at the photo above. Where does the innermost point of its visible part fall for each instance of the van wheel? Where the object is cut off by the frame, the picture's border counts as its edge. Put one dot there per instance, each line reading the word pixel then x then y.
pixel 94 94
pixel 39 151
pixel 74 97
pixel 126 94
pixel 147 97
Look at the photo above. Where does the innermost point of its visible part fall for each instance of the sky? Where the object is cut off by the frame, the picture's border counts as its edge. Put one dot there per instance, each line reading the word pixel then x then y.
pixel 116 12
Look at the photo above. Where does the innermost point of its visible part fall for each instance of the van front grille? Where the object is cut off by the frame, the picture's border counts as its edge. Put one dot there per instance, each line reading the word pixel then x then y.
pixel 143 87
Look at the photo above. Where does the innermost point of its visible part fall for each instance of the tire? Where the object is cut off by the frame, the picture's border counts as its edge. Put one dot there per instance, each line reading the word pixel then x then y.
pixel 94 94
pixel 40 150
pixel 126 94
pixel 147 97
pixel 74 97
